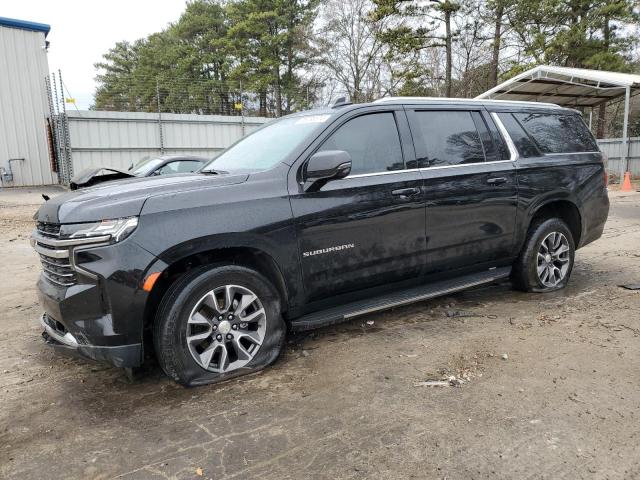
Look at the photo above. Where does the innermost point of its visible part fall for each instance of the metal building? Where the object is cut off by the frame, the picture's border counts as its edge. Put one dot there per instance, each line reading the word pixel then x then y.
pixel 24 108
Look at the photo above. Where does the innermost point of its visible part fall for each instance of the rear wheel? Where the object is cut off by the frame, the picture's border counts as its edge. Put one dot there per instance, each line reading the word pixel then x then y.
pixel 546 260
pixel 217 323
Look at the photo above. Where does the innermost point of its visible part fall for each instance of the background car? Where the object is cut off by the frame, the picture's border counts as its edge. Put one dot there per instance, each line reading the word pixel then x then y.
pixel 148 167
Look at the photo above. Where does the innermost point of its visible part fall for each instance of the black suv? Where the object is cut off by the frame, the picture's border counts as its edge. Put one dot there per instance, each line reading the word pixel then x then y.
pixel 313 219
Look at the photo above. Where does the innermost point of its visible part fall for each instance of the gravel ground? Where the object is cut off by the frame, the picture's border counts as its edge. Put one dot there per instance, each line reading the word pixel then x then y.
pixel 550 387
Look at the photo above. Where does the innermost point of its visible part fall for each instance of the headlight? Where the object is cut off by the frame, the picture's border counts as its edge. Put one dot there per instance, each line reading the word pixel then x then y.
pixel 118 229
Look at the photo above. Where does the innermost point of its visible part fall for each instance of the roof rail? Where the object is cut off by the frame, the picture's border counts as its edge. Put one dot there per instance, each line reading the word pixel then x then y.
pixel 459 100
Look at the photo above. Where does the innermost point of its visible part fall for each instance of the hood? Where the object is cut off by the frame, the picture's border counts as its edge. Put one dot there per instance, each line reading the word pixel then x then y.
pixel 93 176
pixel 124 198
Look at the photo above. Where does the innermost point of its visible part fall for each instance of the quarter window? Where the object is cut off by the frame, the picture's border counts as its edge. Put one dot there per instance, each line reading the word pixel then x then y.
pixel 526 147
pixel 372 141
pixel 446 138
pixel 558 133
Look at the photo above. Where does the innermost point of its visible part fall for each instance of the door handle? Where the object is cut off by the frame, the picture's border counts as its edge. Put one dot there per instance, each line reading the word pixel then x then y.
pixel 497 180
pixel 406 192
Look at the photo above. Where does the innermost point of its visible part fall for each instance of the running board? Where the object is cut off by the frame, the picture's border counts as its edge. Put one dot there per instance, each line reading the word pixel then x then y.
pixel 396 299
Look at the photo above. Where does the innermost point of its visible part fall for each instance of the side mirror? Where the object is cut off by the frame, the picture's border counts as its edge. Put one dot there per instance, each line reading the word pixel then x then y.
pixel 325 166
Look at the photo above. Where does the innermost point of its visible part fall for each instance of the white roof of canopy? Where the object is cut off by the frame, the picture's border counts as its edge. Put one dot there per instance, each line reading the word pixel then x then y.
pixel 569 87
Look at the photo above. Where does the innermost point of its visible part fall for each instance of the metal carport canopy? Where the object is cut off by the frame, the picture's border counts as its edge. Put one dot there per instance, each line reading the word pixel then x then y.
pixel 570 87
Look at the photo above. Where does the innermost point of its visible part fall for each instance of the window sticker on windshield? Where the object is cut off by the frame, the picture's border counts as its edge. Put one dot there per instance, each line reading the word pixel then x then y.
pixel 312 119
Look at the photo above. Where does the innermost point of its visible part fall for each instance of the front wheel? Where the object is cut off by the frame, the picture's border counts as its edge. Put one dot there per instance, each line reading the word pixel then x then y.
pixel 546 260
pixel 217 323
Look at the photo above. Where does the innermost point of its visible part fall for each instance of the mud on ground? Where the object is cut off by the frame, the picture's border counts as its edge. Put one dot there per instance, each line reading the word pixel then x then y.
pixel 551 387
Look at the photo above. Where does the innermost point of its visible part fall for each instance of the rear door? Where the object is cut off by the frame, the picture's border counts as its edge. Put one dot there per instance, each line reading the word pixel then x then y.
pixel 470 187
pixel 367 229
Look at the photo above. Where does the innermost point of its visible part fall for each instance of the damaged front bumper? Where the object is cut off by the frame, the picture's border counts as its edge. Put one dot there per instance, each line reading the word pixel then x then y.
pixel 56 336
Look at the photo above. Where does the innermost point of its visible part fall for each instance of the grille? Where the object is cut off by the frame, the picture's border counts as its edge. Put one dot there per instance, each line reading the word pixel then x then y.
pixel 49 229
pixel 56 268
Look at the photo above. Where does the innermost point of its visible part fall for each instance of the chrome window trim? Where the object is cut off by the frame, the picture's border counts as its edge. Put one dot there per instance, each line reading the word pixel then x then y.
pixel 458 165
pixel 513 156
pixel 570 153
pixel 513 151
pixel 425 169
pixel 375 174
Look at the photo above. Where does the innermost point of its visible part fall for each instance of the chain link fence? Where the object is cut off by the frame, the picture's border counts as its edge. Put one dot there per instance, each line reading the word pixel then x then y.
pixel 207 97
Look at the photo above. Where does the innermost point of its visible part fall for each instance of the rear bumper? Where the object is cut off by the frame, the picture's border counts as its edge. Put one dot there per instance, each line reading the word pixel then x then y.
pixel 126 356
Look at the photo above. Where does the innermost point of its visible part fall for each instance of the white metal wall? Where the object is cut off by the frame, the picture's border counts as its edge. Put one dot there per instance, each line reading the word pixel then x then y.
pixel 613 148
pixel 116 139
pixel 24 107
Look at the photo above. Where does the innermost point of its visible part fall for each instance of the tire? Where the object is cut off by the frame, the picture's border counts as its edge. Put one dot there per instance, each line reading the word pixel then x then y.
pixel 542 238
pixel 198 304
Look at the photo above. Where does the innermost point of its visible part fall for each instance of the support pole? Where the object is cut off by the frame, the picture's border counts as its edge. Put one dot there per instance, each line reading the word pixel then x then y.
pixel 625 135
pixel 242 109
pixel 590 117
pixel 159 118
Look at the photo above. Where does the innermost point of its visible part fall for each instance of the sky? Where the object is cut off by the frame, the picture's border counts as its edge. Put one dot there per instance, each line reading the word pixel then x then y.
pixel 83 30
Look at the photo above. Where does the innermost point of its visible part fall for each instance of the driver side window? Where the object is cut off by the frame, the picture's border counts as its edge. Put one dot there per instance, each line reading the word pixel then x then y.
pixel 373 142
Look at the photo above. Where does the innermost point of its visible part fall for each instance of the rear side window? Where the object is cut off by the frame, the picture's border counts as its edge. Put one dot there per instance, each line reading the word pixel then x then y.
pixel 555 133
pixel 526 147
pixel 446 138
pixel 372 141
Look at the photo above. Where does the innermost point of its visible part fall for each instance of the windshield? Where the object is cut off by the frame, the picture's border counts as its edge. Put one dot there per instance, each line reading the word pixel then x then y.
pixel 266 147
pixel 144 167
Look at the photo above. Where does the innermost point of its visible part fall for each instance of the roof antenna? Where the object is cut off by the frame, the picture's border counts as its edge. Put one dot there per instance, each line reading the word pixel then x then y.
pixel 339 102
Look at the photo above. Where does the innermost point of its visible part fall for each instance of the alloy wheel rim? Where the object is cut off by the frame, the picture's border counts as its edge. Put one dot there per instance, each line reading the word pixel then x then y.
pixel 226 328
pixel 553 259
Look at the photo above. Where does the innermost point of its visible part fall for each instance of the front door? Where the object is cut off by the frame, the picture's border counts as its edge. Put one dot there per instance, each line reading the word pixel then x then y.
pixel 368 228
pixel 470 186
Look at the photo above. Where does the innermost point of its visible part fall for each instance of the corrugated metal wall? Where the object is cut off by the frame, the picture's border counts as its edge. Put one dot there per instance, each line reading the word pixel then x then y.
pixel 24 107
pixel 613 148
pixel 116 139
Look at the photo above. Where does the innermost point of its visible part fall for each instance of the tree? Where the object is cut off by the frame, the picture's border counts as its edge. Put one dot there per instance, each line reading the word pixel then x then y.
pixel 201 63
pixel 613 15
pixel 272 56
pixel 269 36
pixel 351 48
pixel 413 26
pixel 578 33
pixel 114 83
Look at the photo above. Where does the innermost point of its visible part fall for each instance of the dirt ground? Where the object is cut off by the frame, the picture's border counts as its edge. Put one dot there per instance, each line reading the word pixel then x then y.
pixel 551 390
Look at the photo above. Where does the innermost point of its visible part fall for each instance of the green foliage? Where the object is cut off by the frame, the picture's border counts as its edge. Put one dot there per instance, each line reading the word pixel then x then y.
pixel 576 33
pixel 205 61
pixel 270 56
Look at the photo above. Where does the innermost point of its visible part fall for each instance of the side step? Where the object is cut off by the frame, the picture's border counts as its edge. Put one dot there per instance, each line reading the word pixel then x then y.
pixel 342 313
